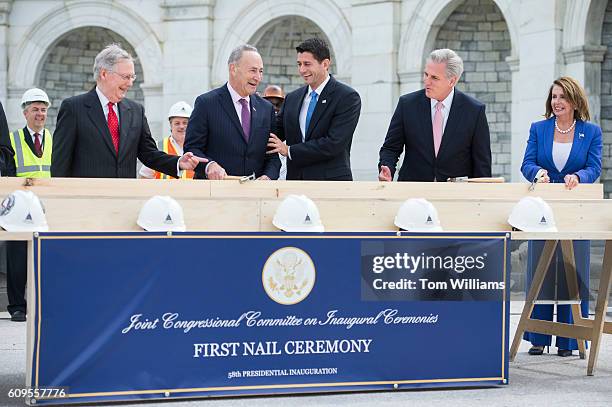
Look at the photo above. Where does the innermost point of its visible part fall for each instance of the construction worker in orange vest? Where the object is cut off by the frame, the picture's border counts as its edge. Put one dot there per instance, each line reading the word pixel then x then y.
pixel 179 117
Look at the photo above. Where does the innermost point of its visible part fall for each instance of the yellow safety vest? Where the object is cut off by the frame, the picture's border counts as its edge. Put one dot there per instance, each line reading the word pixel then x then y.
pixel 26 162
pixel 167 147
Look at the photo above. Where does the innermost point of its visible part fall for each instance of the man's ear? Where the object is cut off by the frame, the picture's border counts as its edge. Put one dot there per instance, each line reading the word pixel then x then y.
pixel 326 63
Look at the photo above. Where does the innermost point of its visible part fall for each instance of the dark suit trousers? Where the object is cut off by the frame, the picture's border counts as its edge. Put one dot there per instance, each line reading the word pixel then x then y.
pixel 16 275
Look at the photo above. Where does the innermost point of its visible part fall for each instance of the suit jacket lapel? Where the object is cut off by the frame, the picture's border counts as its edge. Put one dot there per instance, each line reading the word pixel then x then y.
pixel 297 111
pixel 226 101
pixel 577 144
pixel 453 122
pixel 125 118
pixel 28 138
pixel 96 115
pixel 549 136
pixel 256 116
pixel 322 102
pixel 426 126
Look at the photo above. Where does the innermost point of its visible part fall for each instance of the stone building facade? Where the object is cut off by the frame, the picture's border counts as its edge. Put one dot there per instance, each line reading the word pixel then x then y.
pixel 512 49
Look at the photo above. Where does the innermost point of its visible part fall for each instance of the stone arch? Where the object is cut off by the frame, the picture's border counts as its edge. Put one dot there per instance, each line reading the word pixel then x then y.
pixel 582 24
pixel 477 30
pixel 323 13
pixel 67 68
pixel 45 32
pixel 276 42
pixel 421 31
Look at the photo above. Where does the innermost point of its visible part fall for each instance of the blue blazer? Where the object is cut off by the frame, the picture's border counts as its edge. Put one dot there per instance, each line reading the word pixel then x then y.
pixel 584 159
pixel 214 132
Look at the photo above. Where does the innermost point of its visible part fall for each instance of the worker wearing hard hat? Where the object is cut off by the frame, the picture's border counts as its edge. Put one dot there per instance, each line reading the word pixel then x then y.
pixel 32 148
pixel 178 115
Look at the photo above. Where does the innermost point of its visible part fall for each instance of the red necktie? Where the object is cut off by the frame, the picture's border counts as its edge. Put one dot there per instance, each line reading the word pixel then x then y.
pixel 113 126
pixel 37 145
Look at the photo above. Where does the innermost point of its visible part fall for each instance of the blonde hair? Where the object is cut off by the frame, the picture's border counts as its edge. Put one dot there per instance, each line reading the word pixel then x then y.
pixel 574 94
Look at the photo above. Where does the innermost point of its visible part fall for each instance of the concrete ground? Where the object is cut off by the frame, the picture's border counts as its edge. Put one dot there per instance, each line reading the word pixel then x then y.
pixel 546 380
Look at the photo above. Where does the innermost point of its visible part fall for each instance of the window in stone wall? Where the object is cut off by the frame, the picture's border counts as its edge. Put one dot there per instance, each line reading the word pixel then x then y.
pixel 477 31
pixel 606 103
pixel 276 42
pixel 67 69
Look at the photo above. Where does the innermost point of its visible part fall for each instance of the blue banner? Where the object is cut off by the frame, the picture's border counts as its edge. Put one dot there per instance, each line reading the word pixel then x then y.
pixel 149 316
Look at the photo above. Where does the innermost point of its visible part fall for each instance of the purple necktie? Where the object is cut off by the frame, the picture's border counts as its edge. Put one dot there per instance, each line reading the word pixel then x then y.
pixel 245 115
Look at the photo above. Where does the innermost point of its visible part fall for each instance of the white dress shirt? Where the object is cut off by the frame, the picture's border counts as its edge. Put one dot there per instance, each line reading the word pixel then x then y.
pixel 236 100
pixel 445 110
pixel 104 102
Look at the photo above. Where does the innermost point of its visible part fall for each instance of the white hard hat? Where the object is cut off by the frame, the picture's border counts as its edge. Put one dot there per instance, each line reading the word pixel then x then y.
pixel 161 214
pixel 34 95
pixel 22 211
pixel 532 214
pixel 180 109
pixel 418 215
pixel 297 213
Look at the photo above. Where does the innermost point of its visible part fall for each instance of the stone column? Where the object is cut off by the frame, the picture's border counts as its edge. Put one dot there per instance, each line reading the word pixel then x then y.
pixel 539 35
pixel 584 65
pixel 376 32
pixel 187 51
pixel 5 9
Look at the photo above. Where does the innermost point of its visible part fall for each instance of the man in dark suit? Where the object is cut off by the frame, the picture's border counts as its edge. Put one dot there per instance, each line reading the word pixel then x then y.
pixel 230 125
pixel 443 132
pixel 317 121
pixel 101 133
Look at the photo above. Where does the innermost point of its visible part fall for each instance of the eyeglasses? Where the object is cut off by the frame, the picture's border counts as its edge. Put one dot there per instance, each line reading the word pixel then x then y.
pixel 125 77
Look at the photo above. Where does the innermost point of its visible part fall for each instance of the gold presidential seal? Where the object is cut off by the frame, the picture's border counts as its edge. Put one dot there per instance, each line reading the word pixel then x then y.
pixel 288 275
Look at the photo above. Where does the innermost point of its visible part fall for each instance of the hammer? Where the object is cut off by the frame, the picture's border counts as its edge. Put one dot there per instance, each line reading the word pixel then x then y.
pixel 481 180
pixel 241 179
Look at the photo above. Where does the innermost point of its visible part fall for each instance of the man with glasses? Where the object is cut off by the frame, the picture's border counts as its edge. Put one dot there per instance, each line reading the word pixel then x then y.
pixel 101 133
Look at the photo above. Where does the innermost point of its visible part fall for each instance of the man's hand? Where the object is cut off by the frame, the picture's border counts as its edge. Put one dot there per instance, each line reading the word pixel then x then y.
pixel 571 181
pixel 189 161
pixel 215 171
pixel 264 178
pixel 385 174
pixel 276 145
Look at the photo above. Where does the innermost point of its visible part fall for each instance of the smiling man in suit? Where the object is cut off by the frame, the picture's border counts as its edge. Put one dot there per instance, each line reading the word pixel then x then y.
pixel 317 121
pixel 230 125
pixel 101 133
pixel 443 132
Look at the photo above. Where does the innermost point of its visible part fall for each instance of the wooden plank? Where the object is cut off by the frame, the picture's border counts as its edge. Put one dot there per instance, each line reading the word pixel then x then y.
pixel 559 329
pixel 279 189
pixel 400 190
pixel 103 187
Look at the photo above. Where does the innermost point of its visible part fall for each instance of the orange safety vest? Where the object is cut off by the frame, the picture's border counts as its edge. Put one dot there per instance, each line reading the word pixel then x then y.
pixel 168 148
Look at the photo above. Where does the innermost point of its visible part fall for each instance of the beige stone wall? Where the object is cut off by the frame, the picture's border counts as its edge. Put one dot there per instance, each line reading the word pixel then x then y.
pixel 606 102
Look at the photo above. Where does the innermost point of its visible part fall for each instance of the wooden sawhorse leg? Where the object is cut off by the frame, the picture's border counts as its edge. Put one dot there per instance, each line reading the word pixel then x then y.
pixel 569 265
pixel 536 285
pixel 599 324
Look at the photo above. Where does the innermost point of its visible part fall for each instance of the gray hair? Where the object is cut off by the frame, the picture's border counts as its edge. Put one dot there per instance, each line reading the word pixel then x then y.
pixel 236 53
pixel 454 63
pixel 108 58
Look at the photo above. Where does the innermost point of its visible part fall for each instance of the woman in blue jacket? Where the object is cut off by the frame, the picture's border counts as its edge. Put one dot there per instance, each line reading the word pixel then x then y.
pixel 568 150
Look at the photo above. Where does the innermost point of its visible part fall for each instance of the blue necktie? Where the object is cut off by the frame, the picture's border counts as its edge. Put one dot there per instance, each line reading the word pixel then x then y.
pixel 311 108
